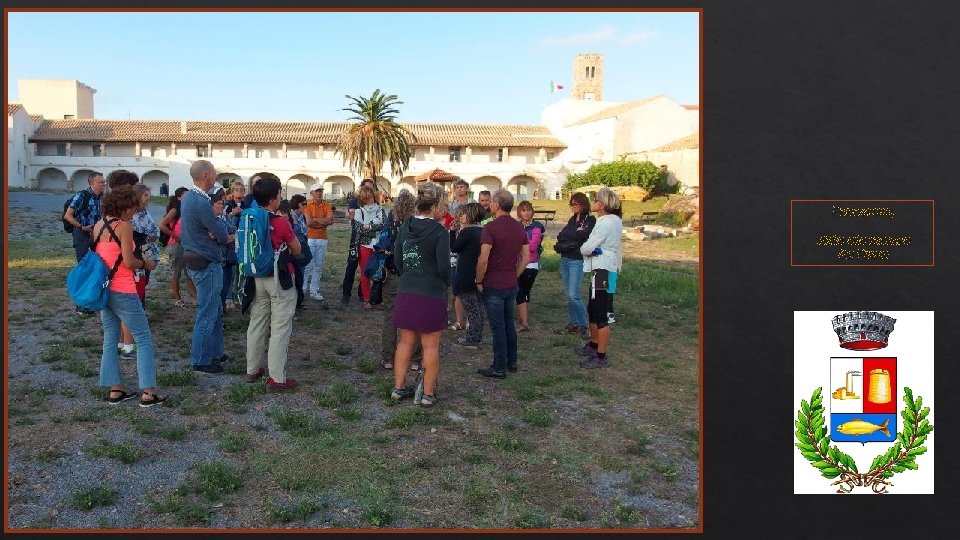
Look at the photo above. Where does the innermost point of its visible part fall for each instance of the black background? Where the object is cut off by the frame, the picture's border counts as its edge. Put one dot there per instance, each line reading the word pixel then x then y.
pixel 809 100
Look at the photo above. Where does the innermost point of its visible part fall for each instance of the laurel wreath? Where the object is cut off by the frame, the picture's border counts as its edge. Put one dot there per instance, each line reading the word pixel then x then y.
pixel 814 444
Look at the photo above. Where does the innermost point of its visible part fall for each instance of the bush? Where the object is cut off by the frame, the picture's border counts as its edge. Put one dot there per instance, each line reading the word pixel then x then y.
pixel 618 173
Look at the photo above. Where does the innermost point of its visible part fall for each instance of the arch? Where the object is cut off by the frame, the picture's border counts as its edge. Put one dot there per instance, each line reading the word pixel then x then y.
pixel 52 178
pixel 407 182
pixel 384 185
pixel 298 183
pixel 337 186
pixel 114 173
pixel 491 183
pixel 153 179
pixel 227 178
pixel 262 174
pixel 79 179
pixel 523 186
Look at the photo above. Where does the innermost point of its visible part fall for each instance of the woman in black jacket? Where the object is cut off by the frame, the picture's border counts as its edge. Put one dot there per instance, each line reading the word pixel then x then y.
pixel 466 242
pixel 571 237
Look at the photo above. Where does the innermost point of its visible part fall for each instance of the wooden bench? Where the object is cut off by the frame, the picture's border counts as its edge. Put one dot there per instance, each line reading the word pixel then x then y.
pixel 649 216
pixel 544 215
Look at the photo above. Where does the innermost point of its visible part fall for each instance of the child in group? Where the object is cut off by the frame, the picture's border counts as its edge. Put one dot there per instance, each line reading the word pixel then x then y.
pixel 535 232
pixel 466 243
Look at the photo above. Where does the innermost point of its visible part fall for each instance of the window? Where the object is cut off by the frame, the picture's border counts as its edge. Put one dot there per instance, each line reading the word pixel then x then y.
pixel 202 150
pixel 61 149
pixel 154 150
pixel 550 155
pixel 593 72
pixel 499 154
pixel 96 150
pixel 68 117
pixel 454 153
pixel 586 72
pixel 258 152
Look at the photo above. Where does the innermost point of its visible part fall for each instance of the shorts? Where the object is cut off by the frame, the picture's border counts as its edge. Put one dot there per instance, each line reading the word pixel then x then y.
pixel 175 253
pixel 600 305
pixel 525 282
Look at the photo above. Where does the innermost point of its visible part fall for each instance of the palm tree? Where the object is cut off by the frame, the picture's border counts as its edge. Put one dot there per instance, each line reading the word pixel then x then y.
pixel 375 137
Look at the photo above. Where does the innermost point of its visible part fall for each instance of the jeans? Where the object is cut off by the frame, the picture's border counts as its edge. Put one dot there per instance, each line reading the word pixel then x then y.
pixel 126 308
pixel 81 242
pixel 571 276
pixel 349 274
pixel 207 341
pixel 229 284
pixel 501 306
pixel 313 271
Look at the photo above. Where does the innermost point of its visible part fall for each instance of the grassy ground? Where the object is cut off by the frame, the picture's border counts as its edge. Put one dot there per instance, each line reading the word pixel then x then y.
pixel 553 446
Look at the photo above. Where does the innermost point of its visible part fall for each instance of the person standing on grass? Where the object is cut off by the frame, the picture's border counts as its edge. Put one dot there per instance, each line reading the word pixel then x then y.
pixel 298 205
pixel 353 255
pixel 113 240
pixel 368 220
pixel 602 259
pixel 503 257
pixel 233 204
pixel 422 256
pixel 203 234
pixel 274 298
pixel 218 198
pixel 569 240
pixel 82 213
pixel 318 215
pixel 145 232
pixel 465 241
pixel 460 197
pixel 484 199
pixel 535 232
pixel 170 225
pixel 404 207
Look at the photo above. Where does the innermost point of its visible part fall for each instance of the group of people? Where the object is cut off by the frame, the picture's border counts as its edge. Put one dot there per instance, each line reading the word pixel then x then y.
pixel 431 246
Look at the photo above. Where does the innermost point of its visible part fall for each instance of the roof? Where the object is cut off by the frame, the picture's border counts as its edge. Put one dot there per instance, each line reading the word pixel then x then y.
pixel 692 107
pixel 12 108
pixel 690 142
pixel 616 110
pixel 476 135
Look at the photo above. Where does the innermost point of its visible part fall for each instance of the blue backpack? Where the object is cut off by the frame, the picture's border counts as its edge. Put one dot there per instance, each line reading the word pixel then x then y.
pixel 89 281
pixel 255 255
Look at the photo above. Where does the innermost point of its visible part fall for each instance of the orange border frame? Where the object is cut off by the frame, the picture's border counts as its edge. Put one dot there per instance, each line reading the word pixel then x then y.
pixel 700 517
pixel 932 229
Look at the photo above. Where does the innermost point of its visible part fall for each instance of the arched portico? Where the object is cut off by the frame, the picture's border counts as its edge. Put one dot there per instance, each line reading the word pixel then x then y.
pixel 298 183
pixel 522 187
pixel 337 186
pixel 490 183
pixel 153 179
pixel 408 183
pixel 225 179
pixel 80 179
pixel 54 178
pixel 262 174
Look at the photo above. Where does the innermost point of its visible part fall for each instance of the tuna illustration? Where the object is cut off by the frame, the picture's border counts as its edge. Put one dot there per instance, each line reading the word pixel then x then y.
pixel 861 427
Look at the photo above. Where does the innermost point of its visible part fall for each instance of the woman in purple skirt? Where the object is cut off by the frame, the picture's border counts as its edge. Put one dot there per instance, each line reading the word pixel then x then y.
pixel 422 255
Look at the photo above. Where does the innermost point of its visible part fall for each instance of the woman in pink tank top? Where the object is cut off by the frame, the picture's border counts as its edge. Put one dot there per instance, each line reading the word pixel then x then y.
pixel 113 242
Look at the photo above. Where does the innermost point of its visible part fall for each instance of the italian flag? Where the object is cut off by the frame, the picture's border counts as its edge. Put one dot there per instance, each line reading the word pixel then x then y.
pixel 555 86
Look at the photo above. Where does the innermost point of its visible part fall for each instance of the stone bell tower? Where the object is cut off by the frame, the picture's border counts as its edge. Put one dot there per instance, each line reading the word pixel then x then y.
pixel 588 77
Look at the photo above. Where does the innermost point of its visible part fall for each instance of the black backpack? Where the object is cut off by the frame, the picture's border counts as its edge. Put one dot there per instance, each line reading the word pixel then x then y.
pixel 84 201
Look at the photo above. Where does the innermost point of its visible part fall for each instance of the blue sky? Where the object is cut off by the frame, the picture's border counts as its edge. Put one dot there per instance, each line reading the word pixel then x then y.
pixel 445 67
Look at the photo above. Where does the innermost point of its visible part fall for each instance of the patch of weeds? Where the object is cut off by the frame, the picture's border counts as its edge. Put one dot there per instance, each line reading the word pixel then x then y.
pixel 381 438
pixel 123 452
pixel 234 442
pixel 378 512
pixel 338 393
pixel 90 498
pixel 300 510
pixel 46 456
pixel 366 365
pixel 611 463
pixel 68 392
pixel 477 458
pixel 408 417
pixel 511 443
pixel 173 503
pixel 670 469
pixel 182 377
pixel 235 368
pixel 173 433
pixel 96 392
pixel 625 513
pixel 81 368
pixel 240 394
pixel 143 425
pixel 532 519
pixel 85 342
pixel 332 364
pixel 593 390
pixel 573 513
pixel 214 478
pixel 350 415
pixel 46 522
pixel 296 423
pixel 638 477
pixel 537 417
pixel 188 407
pixel 382 387
pixel 342 349
pixel 56 352
pixel 90 414
pixel 478 495
pixel 639 443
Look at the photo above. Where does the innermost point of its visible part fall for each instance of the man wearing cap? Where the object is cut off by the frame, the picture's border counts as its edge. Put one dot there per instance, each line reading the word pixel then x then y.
pixel 202 235
pixel 319 216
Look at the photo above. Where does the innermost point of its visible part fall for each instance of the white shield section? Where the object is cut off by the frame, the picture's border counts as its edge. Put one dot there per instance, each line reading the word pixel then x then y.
pixel 846 386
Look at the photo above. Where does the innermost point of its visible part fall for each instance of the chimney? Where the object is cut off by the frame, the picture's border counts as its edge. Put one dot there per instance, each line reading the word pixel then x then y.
pixel 183 128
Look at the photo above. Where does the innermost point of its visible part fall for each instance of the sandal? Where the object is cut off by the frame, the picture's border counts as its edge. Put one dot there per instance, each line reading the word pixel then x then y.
pixel 124 395
pixel 367 305
pixel 154 399
pixel 522 328
pixel 180 303
pixel 428 400
pixel 456 326
pixel 414 367
pixel 386 364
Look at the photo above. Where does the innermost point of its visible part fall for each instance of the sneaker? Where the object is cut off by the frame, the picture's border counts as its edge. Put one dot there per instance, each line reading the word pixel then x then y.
pixel 595 362
pixel 401 393
pixel 286 385
pixel 212 367
pixel 254 377
pixel 81 311
pixel 222 359
pixel 585 332
pixel 490 372
pixel 469 345
pixel 318 297
pixel 128 355
pixel 571 329
pixel 585 350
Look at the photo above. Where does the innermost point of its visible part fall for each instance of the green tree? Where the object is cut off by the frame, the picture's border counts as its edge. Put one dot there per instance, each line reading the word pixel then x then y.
pixel 622 172
pixel 375 136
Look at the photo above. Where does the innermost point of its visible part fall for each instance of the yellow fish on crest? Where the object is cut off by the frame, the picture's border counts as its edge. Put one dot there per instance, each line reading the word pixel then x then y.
pixel 861 427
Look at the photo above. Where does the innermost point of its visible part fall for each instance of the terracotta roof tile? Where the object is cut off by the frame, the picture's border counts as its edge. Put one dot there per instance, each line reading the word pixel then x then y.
pixel 692 107
pixel 12 108
pixel 476 135
pixel 690 142
pixel 615 110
